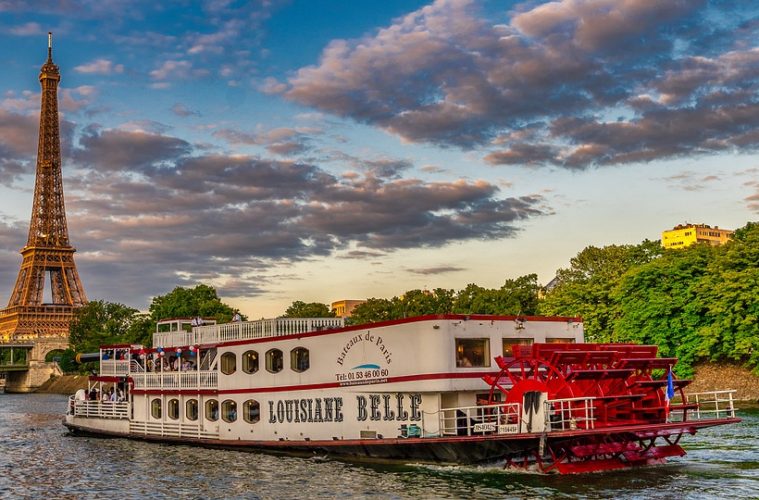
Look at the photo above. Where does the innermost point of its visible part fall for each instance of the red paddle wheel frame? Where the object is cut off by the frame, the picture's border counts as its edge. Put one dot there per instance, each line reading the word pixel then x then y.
pixel 627 404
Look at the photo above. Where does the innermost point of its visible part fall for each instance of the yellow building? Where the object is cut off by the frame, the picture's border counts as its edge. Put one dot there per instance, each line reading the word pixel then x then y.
pixel 684 235
pixel 343 308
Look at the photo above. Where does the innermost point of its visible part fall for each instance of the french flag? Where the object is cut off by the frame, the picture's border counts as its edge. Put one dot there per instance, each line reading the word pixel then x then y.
pixel 670 392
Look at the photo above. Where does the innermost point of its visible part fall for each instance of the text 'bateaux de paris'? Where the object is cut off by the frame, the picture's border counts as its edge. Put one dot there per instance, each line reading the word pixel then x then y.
pixel 367 337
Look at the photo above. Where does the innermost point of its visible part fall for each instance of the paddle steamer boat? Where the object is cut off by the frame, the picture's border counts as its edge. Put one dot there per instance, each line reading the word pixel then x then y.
pixel 522 392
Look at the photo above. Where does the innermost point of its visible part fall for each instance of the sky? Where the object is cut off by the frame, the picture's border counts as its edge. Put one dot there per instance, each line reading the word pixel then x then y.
pixel 299 150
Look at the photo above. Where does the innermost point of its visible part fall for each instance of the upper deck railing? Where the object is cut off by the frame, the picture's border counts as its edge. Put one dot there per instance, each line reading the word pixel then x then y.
pixel 114 367
pixel 213 334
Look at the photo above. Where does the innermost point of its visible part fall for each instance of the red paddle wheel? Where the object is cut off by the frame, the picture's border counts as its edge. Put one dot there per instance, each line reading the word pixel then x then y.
pixel 595 406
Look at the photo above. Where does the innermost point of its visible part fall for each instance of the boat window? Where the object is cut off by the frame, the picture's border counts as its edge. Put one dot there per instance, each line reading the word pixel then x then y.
pixel 508 343
pixel 274 361
pixel 212 410
pixel 472 352
pixel 155 408
pixel 560 340
pixel 229 410
pixel 251 411
pixel 228 363
pixel 250 362
pixel 191 409
pixel 299 359
pixel 172 409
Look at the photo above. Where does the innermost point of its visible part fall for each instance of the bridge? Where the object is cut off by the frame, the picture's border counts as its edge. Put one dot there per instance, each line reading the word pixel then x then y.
pixel 22 363
pixel 15 357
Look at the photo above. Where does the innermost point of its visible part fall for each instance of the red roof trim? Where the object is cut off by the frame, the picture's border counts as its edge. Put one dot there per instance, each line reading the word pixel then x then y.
pixel 106 378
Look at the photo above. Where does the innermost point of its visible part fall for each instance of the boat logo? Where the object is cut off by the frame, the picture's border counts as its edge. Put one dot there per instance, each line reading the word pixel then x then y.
pixel 366 367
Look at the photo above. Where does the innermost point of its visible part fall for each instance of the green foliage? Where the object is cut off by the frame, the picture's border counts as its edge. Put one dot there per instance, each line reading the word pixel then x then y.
pixel 54 355
pixel 190 302
pixel 100 322
pixel 658 304
pixel 697 303
pixel 67 363
pixel 300 309
pixel 729 297
pixel 373 311
pixel 423 302
pixel 587 286
pixel 515 297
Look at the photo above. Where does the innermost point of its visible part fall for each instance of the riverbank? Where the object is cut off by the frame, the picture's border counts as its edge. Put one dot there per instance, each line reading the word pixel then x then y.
pixel 720 376
pixel 708 377
pixel 66 384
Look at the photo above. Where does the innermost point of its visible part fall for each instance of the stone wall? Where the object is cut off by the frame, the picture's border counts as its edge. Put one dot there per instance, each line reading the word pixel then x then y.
pixel 30 380
pixel 66 384
pixel 720 376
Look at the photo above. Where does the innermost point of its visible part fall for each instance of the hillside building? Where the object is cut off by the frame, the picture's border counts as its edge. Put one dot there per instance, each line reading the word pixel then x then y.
pixel 684 235
pixel 343 308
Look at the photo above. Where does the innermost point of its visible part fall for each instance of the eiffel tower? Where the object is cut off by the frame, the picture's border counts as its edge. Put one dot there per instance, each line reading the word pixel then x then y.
pixel 48 255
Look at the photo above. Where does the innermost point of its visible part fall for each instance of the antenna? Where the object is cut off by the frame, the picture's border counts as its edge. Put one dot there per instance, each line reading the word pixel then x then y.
pixel 50 45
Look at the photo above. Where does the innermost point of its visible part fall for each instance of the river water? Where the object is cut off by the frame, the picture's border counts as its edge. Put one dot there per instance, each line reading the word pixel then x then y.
pixel 38 459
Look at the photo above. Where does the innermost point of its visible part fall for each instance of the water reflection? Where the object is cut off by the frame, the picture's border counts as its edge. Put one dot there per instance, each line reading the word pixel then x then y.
pixel 38 459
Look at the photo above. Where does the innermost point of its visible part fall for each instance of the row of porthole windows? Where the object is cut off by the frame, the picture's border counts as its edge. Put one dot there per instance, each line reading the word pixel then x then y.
pixel 299 361
pixel 251 410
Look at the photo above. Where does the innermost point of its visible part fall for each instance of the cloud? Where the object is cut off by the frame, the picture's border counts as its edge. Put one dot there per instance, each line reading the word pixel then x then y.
pixel 690 181
pixel 100 67
pixel 18 135
pixel 27 29
pixel 172 70
pixel 752 200
pixel 183 111
pixel 571 83
pixel 429 271
pixel 282 141
pixel 153 202
pixel 115 150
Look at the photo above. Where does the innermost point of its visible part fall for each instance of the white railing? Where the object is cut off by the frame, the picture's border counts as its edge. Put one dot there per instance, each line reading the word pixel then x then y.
pixel 570 414
pixel 226 332
pixel 114 367
pixel 100 409
pixel 710 405
pixel 176 380
pixel 172 429
pixel 479 420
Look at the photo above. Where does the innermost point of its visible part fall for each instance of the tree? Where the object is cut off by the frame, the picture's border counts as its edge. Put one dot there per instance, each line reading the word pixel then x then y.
pixel 729 297
pixel 373 311
pixel 518 296
pixel 422 302
pixel 100 322
pixel 190 302
pixel 586 287
pixel 300 309
pixel 658 303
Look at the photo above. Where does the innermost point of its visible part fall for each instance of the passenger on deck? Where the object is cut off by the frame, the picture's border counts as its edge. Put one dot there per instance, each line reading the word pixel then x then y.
pixel 236 318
